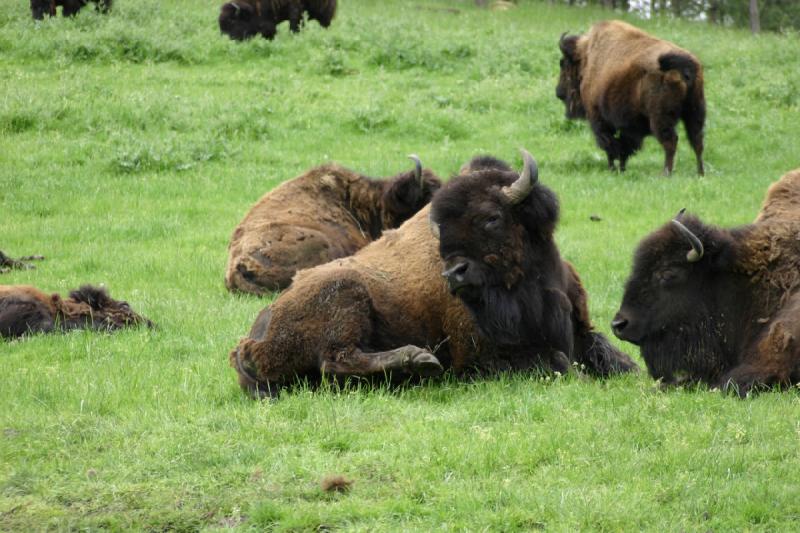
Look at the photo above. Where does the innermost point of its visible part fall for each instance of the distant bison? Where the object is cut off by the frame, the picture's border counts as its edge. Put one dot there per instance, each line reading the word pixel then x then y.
pixel 9 263
pixel 388 310
pixel 40 8
pixel 327 213
pixel 726 313
pixel 244 19
pixel 629 84
pixel 25 309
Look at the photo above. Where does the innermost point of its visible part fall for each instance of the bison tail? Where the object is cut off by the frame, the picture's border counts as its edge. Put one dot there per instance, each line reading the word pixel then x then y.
pixel 683 63
pixel 601 358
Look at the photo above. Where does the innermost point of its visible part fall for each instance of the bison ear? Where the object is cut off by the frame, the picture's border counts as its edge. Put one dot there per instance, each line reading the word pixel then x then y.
pixel 569 46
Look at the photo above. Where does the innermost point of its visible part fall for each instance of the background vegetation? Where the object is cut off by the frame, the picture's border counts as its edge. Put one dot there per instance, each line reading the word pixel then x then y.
pixel 132 144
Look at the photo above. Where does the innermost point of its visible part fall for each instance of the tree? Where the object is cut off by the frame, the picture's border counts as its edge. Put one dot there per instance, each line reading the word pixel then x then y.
pixel 755 23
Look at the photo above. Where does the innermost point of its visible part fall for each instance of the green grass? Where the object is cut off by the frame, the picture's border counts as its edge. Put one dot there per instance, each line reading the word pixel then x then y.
pixel 132 144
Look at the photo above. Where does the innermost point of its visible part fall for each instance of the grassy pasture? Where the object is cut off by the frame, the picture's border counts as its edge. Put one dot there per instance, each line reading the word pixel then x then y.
pixel 132 144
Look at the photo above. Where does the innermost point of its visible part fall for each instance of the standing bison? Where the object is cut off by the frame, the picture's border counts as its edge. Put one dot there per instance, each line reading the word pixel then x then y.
pixel 40 8
pixel 388 310
pixel 327 213
pixel 244 19
pixel 629 84
pixel 720 306
pixel 25 309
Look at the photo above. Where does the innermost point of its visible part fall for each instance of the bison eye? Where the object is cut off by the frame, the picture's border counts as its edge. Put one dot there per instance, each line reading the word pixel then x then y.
pixel 669 278
pixel 491 222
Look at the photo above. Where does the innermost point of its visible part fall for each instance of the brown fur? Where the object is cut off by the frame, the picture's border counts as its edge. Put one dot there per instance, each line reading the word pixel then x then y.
pixel 26 309
pixel 327 213
pixel 40 8
pixel 629 84
pixel 336 484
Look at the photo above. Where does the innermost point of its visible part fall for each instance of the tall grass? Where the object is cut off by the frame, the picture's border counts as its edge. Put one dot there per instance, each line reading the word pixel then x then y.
pixel 131 145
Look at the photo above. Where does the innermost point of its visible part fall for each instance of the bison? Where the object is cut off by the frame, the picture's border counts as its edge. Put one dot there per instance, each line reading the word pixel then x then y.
pixel 40 8
pixel 9 263
pixel 629 84
pixel 720 306
pixel 388 310
pixel 25 309
pixel 244 19
pixel 326 213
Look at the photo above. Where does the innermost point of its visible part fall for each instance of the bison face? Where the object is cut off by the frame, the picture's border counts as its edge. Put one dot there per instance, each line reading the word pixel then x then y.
pixel 406 194
pixel 105 312
pixel 40 8
pixel 491 224
pixel 568 89
pixel 240 21
pixel 674 297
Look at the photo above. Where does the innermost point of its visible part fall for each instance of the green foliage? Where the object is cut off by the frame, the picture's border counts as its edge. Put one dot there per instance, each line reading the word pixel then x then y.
pixel 133 143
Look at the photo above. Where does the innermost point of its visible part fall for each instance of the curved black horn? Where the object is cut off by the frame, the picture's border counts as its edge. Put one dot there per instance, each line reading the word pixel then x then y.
pixel 520 189
pixel 417 169
pixel 236 6
pixel 696 253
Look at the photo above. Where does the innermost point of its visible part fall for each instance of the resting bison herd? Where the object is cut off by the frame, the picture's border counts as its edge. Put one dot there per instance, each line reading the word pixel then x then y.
pixel 403 277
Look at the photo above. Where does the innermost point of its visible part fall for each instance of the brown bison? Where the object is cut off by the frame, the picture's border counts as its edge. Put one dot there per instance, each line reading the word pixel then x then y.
pixel 388 310
pixel 244 19
pixel 9 263
pixel 40 8
pixel 327 213
pixel 720 306
pixel 629 84
pixel 25 309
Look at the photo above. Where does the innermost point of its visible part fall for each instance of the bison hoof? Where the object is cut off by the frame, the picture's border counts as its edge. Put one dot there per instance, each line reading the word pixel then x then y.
pixel 426 365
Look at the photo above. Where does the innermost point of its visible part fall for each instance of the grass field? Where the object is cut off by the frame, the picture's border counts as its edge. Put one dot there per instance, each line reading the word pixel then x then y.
pixel 132 144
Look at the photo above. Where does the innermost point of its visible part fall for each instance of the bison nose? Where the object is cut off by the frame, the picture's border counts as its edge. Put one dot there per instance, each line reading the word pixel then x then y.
pixel 618 324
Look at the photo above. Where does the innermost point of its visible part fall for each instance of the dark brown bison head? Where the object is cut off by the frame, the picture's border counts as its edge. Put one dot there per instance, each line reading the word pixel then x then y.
pixel 683 303
pixel 105 312
pixel 495 231
pixel 240 21
pixel 40 8
pixel 483 162
pixel 568 89
pixel 407 193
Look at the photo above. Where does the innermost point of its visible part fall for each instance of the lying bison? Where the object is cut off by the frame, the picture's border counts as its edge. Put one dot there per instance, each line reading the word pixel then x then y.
pixel 629 84
pixel 327 213
pixel 9 263
pixel 720 306
pixel 25 309
pixel 40 8
pixel 387 309
pixel 244 19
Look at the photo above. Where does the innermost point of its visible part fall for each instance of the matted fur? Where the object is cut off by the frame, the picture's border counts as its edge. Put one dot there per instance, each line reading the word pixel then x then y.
pixel 324 214
pixel 731 319
pixel 629 84
pixel 25 309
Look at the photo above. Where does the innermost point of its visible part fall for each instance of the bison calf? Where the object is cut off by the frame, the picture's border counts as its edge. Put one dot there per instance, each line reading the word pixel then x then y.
pixel 25 309
pixel 40 8
pixel 629 84
pixel 720 306
pixel 244 19
pixel 327 213
pixel 388 310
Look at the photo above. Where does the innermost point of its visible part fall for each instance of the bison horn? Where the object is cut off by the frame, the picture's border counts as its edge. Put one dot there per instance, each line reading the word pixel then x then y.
pixel 520 189
pixel 434 226
pixel 417 169
pixel 236 6
pixel 696 253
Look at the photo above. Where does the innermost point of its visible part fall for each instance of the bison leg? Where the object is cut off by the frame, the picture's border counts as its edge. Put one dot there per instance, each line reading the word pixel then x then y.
pixel 600 357
pixel 629 144
pixel 666 135
pixel 295 16
pixel 694 117
pixel 604 136
pixel 408 360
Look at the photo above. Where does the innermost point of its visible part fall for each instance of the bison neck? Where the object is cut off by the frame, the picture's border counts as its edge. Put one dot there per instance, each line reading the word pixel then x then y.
pixel 364 201
pixel 712 341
